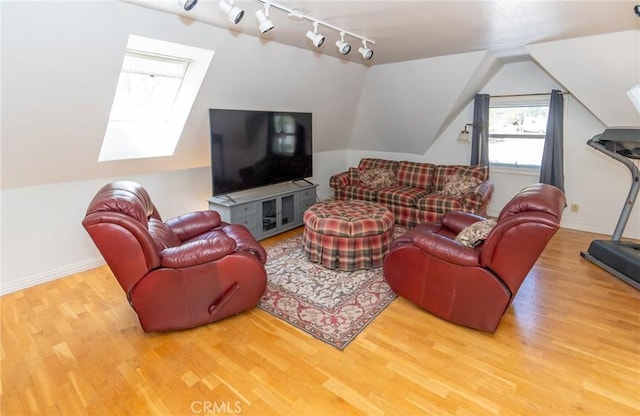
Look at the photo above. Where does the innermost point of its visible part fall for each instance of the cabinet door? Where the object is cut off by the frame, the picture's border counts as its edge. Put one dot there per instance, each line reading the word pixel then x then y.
pixel 269 215
pixel 287 210
pixel 307 198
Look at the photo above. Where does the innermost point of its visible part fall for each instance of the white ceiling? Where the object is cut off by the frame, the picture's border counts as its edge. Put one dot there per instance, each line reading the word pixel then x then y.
pixel 415 29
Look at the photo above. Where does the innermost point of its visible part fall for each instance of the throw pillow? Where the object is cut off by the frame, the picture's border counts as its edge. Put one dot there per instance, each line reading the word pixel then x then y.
pixel 458 185
pixel 377 178
pixel 477 232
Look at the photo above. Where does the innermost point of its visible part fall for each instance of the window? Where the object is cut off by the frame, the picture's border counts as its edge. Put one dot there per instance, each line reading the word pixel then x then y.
pixel 157 86
pixel 147 88
pixel 517 128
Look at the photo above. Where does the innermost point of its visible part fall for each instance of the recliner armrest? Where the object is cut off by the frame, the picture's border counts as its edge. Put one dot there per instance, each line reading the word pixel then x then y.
pixel 197 252
pixel 245 241
pixel 195 223
pixel 446 249
pixel 456 221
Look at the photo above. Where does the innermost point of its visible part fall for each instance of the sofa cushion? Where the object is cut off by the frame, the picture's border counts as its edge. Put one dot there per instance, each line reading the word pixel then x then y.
pixel 377 178
pixel 475 233
pixel 442 171
pixel 418 175
pixel 361 192
pixel 372 163
pixel 439 203
pixel 458 185
pixel 406 196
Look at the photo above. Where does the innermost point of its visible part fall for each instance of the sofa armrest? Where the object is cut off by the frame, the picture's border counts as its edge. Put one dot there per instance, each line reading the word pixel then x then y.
pixel 190 225
pixel 339 180
pixel 478 199
pixel 197 252
pixel 446 249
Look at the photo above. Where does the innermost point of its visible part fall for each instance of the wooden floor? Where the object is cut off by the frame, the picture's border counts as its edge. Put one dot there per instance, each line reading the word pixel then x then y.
pixel 569 344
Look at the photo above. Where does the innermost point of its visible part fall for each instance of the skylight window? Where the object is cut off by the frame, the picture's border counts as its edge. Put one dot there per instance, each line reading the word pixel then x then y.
pixel 147 88
pixel 156 89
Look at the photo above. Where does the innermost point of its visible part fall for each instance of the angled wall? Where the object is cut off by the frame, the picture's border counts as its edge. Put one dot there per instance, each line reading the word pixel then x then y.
pixel 60 66
pixel 598 70
pixel 403 105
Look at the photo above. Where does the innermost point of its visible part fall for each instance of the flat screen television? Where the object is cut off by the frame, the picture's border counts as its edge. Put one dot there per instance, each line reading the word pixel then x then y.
pixel 250 149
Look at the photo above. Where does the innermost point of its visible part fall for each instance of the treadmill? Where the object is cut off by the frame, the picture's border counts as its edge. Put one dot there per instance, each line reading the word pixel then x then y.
pixel 620 258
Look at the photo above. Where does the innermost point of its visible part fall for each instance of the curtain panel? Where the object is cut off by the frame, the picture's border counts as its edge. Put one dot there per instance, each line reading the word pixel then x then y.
pixel 552 167
pixel 480 133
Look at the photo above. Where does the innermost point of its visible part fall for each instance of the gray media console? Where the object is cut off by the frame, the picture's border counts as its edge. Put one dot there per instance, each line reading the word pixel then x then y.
pixel 269 210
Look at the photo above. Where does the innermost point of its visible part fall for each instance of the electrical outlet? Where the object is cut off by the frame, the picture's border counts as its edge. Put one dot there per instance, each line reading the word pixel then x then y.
pixel 575 208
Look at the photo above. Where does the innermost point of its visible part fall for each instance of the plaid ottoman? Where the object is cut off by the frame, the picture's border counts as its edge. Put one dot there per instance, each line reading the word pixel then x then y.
pixel 347 235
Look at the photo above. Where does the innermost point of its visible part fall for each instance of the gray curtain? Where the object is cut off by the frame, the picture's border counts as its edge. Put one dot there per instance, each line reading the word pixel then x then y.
pixel 480 131
pixel 551 168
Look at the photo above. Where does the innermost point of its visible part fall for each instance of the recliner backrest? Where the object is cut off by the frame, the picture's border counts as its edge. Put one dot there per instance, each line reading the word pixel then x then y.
pixel 117 221
pixel 524 227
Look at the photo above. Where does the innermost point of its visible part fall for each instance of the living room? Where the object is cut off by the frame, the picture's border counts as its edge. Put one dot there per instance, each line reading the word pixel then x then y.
pixel 60 66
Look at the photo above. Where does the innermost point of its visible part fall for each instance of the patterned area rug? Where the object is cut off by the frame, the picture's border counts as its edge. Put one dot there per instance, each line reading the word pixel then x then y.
pixel 332 305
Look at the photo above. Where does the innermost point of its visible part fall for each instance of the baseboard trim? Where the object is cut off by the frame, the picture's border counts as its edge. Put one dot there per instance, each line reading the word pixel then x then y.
pixel 50 275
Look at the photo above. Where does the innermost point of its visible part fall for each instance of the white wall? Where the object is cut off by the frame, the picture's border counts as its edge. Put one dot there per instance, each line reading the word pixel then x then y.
pixel 42 234
pixel 595 182
pixel 403 105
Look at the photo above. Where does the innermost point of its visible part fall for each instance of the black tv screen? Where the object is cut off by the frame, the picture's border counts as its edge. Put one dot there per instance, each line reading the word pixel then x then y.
pixel 250 149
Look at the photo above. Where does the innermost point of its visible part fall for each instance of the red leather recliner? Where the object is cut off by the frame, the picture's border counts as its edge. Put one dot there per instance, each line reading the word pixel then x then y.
pixel 188 271
pixel 473 286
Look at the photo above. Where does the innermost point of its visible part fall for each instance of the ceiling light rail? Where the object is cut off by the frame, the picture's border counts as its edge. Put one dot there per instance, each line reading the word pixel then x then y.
pixel 300 15
pixel 235 14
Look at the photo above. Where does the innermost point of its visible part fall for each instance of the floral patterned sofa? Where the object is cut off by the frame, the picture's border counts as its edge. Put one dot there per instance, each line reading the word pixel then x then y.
pixel 416 192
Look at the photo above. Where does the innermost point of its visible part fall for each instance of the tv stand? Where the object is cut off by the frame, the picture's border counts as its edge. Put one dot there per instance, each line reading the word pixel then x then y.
pixel 268 210
pixel 302 180
pixel 228 197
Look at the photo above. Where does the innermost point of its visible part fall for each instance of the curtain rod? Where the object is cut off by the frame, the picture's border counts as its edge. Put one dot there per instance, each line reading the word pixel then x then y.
pixel 527 95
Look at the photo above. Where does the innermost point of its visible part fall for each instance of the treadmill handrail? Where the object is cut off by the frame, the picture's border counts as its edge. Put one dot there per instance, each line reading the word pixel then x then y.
pixel 633 192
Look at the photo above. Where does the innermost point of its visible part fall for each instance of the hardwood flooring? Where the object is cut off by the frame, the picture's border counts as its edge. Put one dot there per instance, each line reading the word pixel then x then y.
pixel 569 344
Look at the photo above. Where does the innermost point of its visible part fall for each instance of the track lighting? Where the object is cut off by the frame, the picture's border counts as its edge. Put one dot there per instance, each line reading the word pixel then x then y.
pixel 187 4
pixel 343 47
pixel 364 51
pixel 234 13
pixel 316 38
pixel 264 24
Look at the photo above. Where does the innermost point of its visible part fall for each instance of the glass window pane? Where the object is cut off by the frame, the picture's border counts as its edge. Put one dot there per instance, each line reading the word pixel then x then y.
pixel 516 133
pixel 508 120
pixel 144 97
pixel 518 152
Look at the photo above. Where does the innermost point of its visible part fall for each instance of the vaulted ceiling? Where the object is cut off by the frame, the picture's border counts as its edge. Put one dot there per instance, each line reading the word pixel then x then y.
pixel 408 30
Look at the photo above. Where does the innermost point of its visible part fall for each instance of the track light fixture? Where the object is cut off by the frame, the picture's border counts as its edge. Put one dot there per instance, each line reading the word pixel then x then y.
pixel 316 38
pixel 187 4
pixel 264 24
pixel 235 14
pixel 343 47
pixel 364 51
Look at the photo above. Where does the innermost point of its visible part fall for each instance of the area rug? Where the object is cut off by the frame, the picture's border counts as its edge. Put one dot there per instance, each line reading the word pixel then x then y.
pixel 333 306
